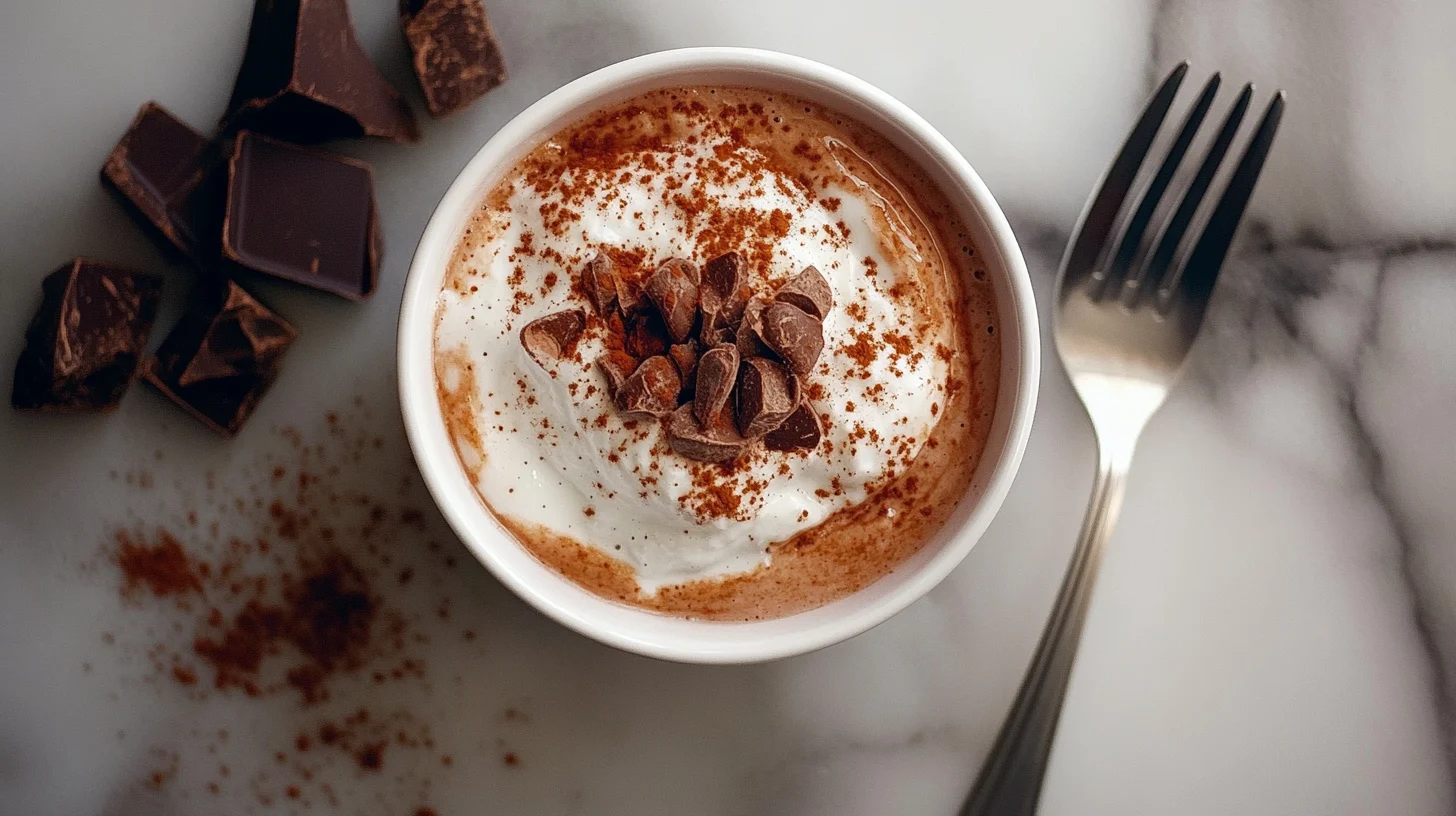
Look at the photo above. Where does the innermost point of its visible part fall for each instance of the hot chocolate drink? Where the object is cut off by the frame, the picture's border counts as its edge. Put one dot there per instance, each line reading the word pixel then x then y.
pixel 718 352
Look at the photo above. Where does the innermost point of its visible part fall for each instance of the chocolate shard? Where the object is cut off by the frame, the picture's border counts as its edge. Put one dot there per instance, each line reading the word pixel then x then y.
pixel 809 291
pixel 172 179
pixel 306 79
pixel 628 297
pixel 599 279
pixel 796 337
pixel 548 339
pixel 646 335
pixel 221 357
pixel 456 56
pixel 673 289
pixel 84 343
pixel 800 431
pixel 725 287
pixel 651 391
pixel 717 371
pixel 685 357
pixel 749 334
pixel 616 366
pixel 616 334
pixel 767 394
pixel 302 215
pixel 717 443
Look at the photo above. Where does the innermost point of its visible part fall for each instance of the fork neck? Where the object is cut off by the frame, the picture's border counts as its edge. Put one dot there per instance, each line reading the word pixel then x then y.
pixel 1119 408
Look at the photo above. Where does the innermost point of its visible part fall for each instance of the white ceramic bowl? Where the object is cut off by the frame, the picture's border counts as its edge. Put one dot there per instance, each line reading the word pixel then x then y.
pixel 649 633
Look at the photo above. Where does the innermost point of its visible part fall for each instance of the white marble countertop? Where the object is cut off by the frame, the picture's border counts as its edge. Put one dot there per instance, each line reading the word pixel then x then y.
pixel 1275 632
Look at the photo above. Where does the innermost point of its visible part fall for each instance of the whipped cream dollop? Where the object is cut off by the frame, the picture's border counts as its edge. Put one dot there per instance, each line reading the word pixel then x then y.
pixel 549 447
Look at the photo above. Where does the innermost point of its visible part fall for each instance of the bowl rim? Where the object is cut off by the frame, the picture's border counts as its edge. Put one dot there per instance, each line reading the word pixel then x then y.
pixel 667 637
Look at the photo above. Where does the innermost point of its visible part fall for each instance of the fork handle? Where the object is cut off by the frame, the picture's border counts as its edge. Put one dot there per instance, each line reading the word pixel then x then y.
pixel 1011 778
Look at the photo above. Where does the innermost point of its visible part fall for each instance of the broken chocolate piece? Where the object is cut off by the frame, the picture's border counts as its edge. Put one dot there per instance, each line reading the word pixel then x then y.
pixel 456 56
pixel 651 391
pixel 646 335
pixel 725 288
pixel 794 336
pixel 748 335
pixel 685 357
pixel 800 431
pixel 599 279
pixel 616 366
pixel 717 443
pixel 809 291
pixel 767 394
pixel 717 371
pixel 302 215
pixel 83 345
pixel 673 289
pixel 548 339
pixel 305 78
pixel 172 179
pixel 221 357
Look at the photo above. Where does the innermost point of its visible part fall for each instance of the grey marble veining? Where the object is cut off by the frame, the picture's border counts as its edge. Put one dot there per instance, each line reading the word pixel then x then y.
pixel 1275 632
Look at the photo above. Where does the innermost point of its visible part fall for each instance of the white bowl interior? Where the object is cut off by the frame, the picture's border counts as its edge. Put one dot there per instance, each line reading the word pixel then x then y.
pixel 674 638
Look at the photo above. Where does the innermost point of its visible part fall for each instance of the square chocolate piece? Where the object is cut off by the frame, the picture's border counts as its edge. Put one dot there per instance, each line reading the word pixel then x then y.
pixel 305 78
pixel 82 347
pixel 456 56
pixel 302 215
pixel 221 357
pixel 172 178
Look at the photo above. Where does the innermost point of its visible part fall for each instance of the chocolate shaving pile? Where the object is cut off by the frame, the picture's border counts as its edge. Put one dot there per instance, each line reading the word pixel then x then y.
pixel 719 365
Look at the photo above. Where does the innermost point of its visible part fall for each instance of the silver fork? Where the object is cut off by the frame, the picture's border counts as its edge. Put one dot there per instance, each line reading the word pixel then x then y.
pixel 1130 297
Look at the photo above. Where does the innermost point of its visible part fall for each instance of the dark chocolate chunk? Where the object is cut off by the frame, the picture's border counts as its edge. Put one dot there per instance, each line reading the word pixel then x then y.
pixel 748 335
pixel 646 335
pixel 651 391
pixel 767 394
pixel 456 56
pixel 616 366
pixel 717 371
pixel 809 291
pixel 628 297
pixel 599 279
pixel 794 336
pixel 221 357
pixel 673 289
pixel 685 357
pixel 302 215
pixel 173 179
pixel 550 338
pixel 800 431
pixel 83 345
pixel 725 288
pixel 305 78
pixel 719 442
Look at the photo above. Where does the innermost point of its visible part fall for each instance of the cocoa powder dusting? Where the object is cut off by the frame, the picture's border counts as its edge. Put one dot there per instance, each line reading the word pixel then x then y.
pixel 299 587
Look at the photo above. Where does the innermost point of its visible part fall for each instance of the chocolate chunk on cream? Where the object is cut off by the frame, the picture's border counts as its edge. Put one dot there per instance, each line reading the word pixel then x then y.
pixel 599 279
pixel 718 442
pixel 800 431
pixel 809 291
pixel 673 289
pixel 550 338
pixel 717 370
pixel 767 394
pixel 794 335
pixel 651 391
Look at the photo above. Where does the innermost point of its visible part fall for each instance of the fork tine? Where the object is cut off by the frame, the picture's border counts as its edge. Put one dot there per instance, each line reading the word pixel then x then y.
pixel 1097 220
pixel 1203 264
pixel 1161 259
pixel 1137 225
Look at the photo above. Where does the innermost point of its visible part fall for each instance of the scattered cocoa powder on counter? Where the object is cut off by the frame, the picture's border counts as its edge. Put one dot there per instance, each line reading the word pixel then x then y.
pixel 304 587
